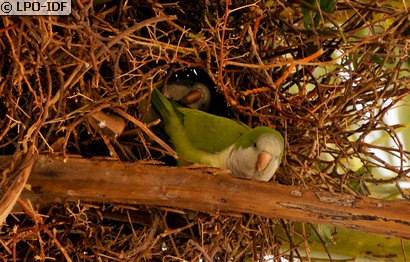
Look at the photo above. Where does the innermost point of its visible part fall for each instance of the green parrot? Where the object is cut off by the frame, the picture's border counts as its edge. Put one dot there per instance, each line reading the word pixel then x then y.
pixel 216 141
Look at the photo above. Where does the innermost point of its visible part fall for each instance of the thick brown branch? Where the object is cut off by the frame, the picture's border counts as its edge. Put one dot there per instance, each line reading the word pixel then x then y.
pixel 52 179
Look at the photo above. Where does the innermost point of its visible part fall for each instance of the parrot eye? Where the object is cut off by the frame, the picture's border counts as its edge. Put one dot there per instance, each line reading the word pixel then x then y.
pixel 254 145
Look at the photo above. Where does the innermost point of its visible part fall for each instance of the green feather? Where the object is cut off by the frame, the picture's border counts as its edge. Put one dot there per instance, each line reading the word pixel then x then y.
pixel 209 132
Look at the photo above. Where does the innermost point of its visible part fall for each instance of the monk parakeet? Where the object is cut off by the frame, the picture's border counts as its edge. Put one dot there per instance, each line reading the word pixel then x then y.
pixel 186 92
pixel 192 87
pixel 216 141
pixel 190 93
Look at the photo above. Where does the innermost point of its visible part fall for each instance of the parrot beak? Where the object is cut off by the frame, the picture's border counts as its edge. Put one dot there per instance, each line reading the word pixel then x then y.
pixel 192 97
pixel 263 161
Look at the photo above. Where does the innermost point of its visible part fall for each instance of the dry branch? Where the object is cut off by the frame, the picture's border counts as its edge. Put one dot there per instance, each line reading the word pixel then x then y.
pixel 58 71
pixel 54 179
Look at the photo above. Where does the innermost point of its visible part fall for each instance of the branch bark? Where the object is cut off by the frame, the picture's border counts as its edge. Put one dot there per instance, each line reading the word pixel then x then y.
pixel 54 179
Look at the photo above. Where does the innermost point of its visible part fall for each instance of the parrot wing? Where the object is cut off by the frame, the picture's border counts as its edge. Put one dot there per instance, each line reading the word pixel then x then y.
pixel 209 132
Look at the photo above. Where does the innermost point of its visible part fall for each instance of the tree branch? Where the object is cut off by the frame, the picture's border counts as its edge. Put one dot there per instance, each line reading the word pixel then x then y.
pixel 53 179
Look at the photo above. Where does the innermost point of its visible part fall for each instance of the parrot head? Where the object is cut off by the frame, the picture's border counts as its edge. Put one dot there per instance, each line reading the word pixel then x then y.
pixel 257 154
pixel 192 94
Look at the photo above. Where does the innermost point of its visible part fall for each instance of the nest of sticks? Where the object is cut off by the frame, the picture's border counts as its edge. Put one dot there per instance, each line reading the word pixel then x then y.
pixel 324 78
